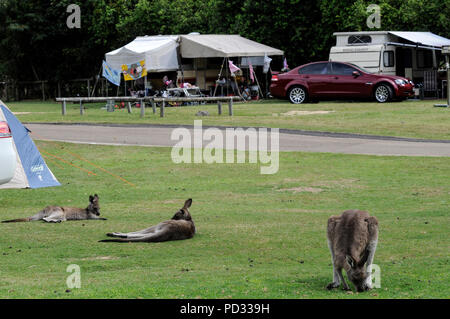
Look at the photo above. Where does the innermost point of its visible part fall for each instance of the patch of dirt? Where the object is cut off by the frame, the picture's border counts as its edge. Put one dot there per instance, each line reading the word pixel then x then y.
pixel 170 201
pixel 301 189
pixel 21 113
pixel 294 113
pixel 297 210
pixel 340 183
pixel 428 192
pixel 100 258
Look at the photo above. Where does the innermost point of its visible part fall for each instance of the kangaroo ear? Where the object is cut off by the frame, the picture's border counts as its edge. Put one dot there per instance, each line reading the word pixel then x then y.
pixel 350 261
pixel 188 203
pixel 364 258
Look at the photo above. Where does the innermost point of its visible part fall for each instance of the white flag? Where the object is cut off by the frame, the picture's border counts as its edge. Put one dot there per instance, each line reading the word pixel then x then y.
pixel 267 61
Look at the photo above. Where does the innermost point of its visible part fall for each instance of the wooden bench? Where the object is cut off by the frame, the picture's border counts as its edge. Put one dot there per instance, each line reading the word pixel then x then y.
pixel 152 100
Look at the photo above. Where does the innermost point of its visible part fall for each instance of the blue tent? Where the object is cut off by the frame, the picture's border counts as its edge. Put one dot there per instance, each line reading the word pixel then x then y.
pixel 31 170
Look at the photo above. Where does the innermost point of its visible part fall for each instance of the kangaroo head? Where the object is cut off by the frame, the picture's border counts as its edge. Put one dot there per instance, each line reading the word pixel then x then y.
pixel 94 207
pixel 183 213
pixel 356 272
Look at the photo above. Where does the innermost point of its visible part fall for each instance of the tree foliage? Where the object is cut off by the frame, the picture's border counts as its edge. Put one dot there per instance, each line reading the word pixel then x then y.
pixel 35 42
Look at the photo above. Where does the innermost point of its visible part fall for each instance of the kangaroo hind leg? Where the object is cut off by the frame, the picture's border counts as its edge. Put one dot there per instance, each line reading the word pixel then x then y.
pixel 336 278
pixel 135 234
pixel 55 217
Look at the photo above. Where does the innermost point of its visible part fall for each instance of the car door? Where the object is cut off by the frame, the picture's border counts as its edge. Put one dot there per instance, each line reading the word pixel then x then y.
pixel 346 83
pixel 318 78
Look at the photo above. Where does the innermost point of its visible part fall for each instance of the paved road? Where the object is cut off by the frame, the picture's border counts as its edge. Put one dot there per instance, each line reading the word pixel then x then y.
pixel 289 140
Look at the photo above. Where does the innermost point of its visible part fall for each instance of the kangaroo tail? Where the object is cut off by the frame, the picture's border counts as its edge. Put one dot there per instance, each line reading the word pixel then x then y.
pixel 17 220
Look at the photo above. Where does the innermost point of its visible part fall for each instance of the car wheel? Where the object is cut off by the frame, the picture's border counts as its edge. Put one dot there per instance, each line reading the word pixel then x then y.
pixel 297 95
pixel 383 93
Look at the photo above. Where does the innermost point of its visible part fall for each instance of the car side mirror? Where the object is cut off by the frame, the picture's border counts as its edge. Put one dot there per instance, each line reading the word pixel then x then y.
pixel 356 74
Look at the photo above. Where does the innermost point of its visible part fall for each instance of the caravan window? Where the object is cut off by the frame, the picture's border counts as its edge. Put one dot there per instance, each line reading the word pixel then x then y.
pixel 388 58
pixel 424 59
pixel 357 39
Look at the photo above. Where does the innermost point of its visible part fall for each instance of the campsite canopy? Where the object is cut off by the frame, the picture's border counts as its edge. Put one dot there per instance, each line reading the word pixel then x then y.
pixel 159 53
pixel 31 170
pixel 222 45
pixel 422 38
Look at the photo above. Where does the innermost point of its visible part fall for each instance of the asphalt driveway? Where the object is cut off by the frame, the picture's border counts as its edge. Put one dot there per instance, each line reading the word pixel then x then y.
pixel 289 140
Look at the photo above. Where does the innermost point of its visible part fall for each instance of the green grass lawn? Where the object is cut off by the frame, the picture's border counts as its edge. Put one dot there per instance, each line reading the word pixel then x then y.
pixel 257 237
pixel 416 119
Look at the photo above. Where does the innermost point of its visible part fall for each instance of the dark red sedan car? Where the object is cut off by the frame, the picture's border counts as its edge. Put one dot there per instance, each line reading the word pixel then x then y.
pixel 331 80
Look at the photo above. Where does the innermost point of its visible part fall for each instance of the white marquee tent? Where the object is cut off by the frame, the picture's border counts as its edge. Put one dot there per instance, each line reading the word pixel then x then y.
pixel 159 52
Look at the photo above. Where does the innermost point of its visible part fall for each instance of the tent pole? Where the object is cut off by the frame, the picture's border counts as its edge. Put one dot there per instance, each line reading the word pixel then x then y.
pixel 96 81
pixel 145 86
pixel 218 78
pixel 257 82
pixel 227 67
pixel 237 87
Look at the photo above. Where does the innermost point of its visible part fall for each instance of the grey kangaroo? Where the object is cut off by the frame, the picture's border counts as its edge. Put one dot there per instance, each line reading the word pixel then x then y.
pixel 181 226
pixel 57 214
pixel 352 239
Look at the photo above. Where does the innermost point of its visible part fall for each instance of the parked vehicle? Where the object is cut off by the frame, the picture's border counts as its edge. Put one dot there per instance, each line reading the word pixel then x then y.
pixel 334 80
pixel 407 54
pixel 7 153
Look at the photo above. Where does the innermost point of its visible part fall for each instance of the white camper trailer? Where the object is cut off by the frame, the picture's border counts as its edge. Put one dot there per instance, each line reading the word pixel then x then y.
pixel 407 54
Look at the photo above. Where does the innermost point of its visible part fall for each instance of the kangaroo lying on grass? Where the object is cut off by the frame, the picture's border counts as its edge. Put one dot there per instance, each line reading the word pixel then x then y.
pixel 181 226
pixel 352 239
pixel 57 214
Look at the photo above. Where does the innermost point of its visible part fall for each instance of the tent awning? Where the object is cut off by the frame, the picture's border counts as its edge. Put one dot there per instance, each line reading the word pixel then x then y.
pixel 159 53
pixel 422 38
pixel 222 45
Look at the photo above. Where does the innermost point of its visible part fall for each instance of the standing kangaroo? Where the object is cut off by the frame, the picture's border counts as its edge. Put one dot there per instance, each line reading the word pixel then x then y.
pixel 181 226
pixel 57 214
pixel 352 239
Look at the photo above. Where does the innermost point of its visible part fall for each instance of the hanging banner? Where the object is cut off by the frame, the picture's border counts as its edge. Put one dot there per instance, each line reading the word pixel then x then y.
pixel 285 64
pixel 110 74
pixel 134 71
pixel 232 67
pixel 250 66
pixel 267 61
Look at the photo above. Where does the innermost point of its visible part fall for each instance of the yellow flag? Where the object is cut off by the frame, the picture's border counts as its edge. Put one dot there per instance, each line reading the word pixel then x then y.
pixel 134 71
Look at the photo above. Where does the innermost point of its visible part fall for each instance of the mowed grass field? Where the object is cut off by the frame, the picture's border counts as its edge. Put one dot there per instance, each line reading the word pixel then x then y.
pixel 415 119
pixel 258 236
